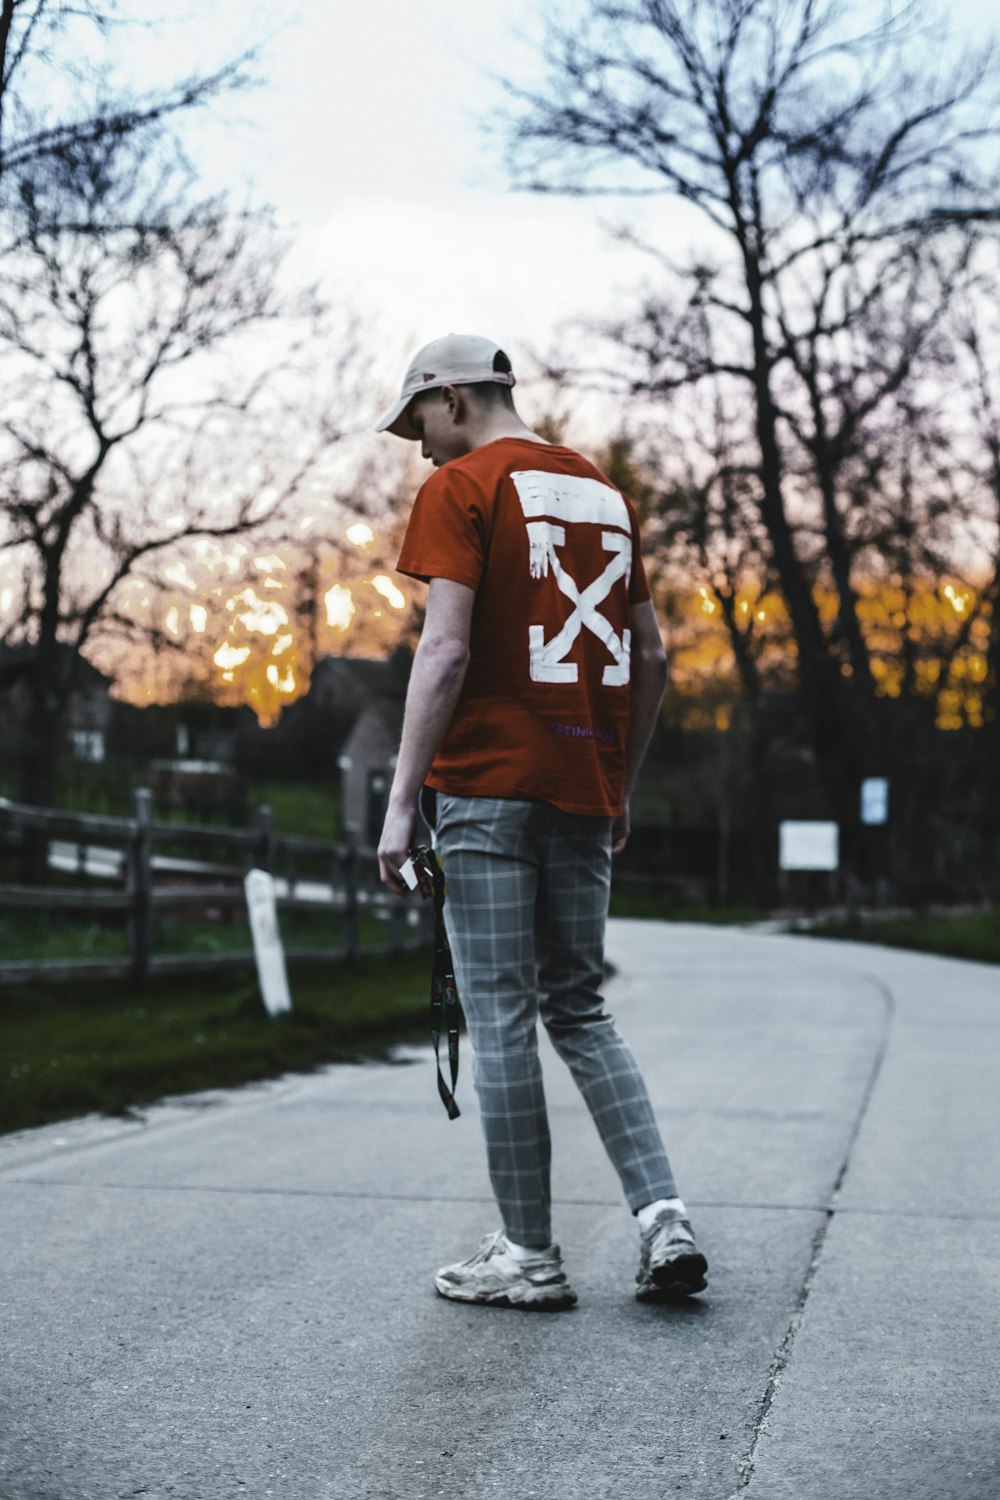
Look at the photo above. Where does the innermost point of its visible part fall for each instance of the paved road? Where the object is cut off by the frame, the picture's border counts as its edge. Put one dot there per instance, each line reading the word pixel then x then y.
pixel 232 1297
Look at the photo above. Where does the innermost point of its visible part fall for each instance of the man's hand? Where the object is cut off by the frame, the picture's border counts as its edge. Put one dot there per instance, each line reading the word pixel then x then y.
pixel 620 830
pixel 394 846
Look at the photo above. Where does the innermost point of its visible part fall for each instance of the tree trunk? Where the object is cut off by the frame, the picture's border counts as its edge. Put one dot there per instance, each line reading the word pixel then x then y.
pixel 820 684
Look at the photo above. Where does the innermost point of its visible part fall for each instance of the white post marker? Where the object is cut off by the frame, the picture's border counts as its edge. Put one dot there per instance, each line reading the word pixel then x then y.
pixel 270 955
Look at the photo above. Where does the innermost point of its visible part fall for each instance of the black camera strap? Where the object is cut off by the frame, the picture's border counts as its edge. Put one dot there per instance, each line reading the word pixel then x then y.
pixel 444 991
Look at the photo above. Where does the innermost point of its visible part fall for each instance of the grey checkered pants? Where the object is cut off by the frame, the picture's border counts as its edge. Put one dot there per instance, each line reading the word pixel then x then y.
pixel 527 901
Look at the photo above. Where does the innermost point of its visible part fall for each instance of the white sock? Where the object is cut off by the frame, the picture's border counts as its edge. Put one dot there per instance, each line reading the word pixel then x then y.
pixel 523 1252
pixel 648 1215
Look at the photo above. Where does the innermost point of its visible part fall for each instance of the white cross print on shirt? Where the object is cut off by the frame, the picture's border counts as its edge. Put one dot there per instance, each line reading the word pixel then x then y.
pixel 555 498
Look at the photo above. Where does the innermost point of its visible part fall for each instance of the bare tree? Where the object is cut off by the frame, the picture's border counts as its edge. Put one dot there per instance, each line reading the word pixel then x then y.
pixel 158 386
pixel 162 392
pixel 41 44
pixel 978 328
pixel 844 177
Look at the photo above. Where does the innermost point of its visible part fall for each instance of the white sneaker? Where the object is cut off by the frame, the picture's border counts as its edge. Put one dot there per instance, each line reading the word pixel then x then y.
pixel 670 1263
pixel 494 1276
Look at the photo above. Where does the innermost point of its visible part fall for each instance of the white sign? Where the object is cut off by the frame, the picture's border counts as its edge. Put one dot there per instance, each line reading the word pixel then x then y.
pixel 808 846
pixel 875 800
pixel 270 955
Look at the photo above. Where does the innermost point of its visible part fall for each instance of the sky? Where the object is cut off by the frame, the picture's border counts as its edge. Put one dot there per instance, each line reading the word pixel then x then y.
pixel 370 134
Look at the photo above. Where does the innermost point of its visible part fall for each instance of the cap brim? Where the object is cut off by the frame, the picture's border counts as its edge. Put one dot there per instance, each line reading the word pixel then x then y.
pixel 397 420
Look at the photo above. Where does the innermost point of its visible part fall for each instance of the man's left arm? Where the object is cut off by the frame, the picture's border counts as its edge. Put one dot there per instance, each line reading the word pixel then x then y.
pixel 648 679
pixel 439 666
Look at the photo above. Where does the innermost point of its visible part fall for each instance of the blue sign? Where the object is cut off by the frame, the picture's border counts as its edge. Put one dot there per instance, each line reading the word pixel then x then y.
pixel 875 800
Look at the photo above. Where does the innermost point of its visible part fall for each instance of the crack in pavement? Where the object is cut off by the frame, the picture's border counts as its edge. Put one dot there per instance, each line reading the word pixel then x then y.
pixel 783 1353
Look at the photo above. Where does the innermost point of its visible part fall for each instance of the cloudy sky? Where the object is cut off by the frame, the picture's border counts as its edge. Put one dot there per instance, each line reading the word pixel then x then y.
pixel 367 132
pixel 370 134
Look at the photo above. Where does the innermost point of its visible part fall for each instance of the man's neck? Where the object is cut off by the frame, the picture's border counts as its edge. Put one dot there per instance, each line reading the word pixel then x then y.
pixel 490 427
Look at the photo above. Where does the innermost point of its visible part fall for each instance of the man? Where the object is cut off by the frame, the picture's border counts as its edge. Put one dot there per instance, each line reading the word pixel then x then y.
pixel 534 691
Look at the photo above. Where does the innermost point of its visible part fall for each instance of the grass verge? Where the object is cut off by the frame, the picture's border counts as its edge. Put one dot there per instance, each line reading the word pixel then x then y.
pixel 661 903
pixel 70 1049
pixel 310 808
pixel 37 935
pixel 973 934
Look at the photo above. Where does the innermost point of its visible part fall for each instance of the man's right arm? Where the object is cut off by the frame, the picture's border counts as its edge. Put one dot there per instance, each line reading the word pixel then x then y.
pixel 435 685
pixel 648 679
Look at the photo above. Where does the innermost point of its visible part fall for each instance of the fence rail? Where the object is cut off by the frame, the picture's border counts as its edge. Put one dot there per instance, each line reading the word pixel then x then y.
pixel 144 884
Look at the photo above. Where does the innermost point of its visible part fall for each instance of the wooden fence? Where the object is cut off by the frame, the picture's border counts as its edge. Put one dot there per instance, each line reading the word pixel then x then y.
pixel 340 879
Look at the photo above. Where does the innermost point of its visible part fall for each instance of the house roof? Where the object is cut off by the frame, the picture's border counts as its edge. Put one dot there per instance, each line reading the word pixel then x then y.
pixel 16 660
pixel 380 721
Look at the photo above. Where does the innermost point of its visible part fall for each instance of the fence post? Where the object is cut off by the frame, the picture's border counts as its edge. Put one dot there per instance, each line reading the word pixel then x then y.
pixel 264 853
pixel 349 866
pixel 140 884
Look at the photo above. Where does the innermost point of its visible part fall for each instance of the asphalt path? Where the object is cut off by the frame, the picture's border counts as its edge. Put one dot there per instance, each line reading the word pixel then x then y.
pixel 232 1295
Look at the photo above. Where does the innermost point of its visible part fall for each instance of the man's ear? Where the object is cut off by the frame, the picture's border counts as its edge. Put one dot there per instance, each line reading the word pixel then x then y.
pixel 455 403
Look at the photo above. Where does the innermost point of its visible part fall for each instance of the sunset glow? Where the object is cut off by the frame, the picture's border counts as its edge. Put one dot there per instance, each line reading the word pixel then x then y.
pixel 383 584
pixel 340 608
pixel 178 573
pixel 930 617
pixel 929 640
pixel 227 657
pixel 266 616
pixel 285 683
pixel 251 621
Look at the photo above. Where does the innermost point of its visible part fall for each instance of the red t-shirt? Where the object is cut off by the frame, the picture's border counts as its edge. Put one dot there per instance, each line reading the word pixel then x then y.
pixel 551 548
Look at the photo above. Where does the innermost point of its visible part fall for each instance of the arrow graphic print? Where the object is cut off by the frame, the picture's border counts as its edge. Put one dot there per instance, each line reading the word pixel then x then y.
pixel 550 503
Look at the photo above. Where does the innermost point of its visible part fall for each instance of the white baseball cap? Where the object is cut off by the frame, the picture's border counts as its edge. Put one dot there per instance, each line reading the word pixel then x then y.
pixel 457 359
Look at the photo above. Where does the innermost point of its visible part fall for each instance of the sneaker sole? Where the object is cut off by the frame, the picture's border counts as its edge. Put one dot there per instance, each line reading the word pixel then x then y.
pixel 681 1277
pixel 531 1299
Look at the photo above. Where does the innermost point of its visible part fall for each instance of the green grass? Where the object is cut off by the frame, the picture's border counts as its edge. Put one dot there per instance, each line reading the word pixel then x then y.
pixel 70 1049
pixel 311 809
pixel 102 790
pixel 298 930
pixel 308 808
pixel 666 904
pixel 34 935
pixel 974 935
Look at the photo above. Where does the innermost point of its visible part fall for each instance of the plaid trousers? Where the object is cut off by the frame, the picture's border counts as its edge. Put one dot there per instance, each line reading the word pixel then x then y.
pixel 527 902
